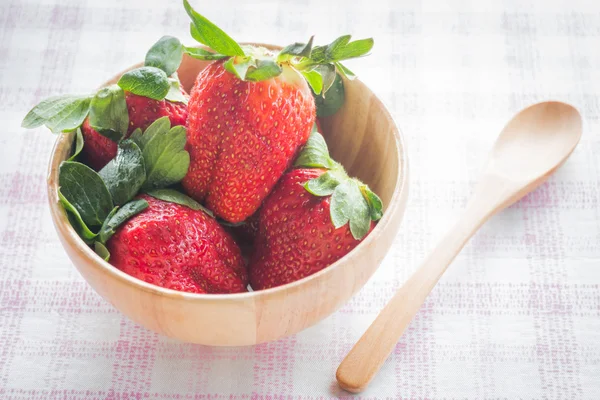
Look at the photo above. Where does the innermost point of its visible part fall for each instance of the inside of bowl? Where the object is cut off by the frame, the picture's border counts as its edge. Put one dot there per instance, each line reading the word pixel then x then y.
pixel 361 135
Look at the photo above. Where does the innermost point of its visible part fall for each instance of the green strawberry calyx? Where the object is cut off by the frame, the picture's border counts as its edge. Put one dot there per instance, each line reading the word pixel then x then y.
pixel 97 203
pixel 352 201
pixel 107 108
pixel 319 65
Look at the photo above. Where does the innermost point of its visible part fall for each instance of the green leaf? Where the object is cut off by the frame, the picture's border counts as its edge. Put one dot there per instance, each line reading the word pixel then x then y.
pixel 349 205
pixel 344 71
pixel 315 128
pixel 265 69
pixel 136 136
pixel 334 100
pixel 210 35
pixel 108 113
pixel 240 68
pixel 315 153
pixel 76 221
pixel 174 94
pixel 375 204
pixel 125 174
pixel 149 82
pixel 78 139
pixel 314 79
pixel 165 54
pixel 59 113
pixel 323 185
pixel 360 218
pixel 119 216
pixel 173 196
pixel 162 124
pixel 340 203
pixel 165 158
pixel 327 72
pixel 102 251
pixel 85 190
pixel 296 50
pixel 357 48
pixel 201 54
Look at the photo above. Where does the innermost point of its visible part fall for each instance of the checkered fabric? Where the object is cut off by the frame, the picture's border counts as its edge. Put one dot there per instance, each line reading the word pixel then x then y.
pixel 516 316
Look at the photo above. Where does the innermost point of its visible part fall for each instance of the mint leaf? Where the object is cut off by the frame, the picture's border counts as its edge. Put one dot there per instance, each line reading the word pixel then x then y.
pixel 296 50
pixel 165 158
pixel 102 251
pixel 264 69
pixel 201 54
pixel 108 113
pixel 125 174
pixel 119 216
pixel 334 100
pixel 314 79
pixel 323 185
pixel 85 190
pixel 59 113
pixel 165 54
pixel 76 221
pixel 149 82
pixel 375 204
pixel 174 94
pixel 78 139
pixel 173 196
pixel 210 35
pixel 315 153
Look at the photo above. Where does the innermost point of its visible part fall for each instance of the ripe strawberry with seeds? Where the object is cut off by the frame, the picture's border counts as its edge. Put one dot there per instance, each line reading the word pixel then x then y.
pixel 250 112
pixel 110 115
pixel 142 111
pixel 176 247
pixel 315 215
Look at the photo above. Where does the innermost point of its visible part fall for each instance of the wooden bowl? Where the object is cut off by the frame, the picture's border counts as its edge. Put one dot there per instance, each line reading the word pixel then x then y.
pixel 364 138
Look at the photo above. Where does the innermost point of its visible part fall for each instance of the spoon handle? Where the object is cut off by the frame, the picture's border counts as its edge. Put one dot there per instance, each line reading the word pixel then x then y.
pixel 369 353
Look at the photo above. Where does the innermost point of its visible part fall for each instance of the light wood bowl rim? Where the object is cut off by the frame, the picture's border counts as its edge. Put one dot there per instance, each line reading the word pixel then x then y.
pixel 70 235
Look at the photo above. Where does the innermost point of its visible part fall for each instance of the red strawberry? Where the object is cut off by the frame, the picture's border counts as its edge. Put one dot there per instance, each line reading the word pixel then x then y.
pixel 245 233
pixel 250 112
pixel 313 217
pixel 242 136
pixel 178 248
pixel 99 149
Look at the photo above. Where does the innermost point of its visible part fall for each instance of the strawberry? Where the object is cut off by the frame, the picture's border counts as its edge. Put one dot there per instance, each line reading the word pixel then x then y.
pixel 99 149
pixel 250 111
pixel 140 97
pixel 313 217
pixel 242 136
pixel 173 246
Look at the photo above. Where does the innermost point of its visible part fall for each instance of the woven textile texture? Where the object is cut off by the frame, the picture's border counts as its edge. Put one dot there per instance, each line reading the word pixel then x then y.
pixel 516 316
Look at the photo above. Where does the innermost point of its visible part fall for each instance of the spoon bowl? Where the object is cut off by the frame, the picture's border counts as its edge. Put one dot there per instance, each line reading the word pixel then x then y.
pixel 530 148
pixel 535 142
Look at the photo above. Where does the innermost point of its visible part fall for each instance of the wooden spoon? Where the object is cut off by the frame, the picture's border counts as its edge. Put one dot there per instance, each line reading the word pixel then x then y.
pixel 529 149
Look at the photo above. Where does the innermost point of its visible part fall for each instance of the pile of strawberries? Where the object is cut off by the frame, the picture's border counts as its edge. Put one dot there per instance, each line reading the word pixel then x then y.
pixel 161 182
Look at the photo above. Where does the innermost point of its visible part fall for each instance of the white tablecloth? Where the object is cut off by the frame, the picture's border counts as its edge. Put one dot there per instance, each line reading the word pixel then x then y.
pixel 516 316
